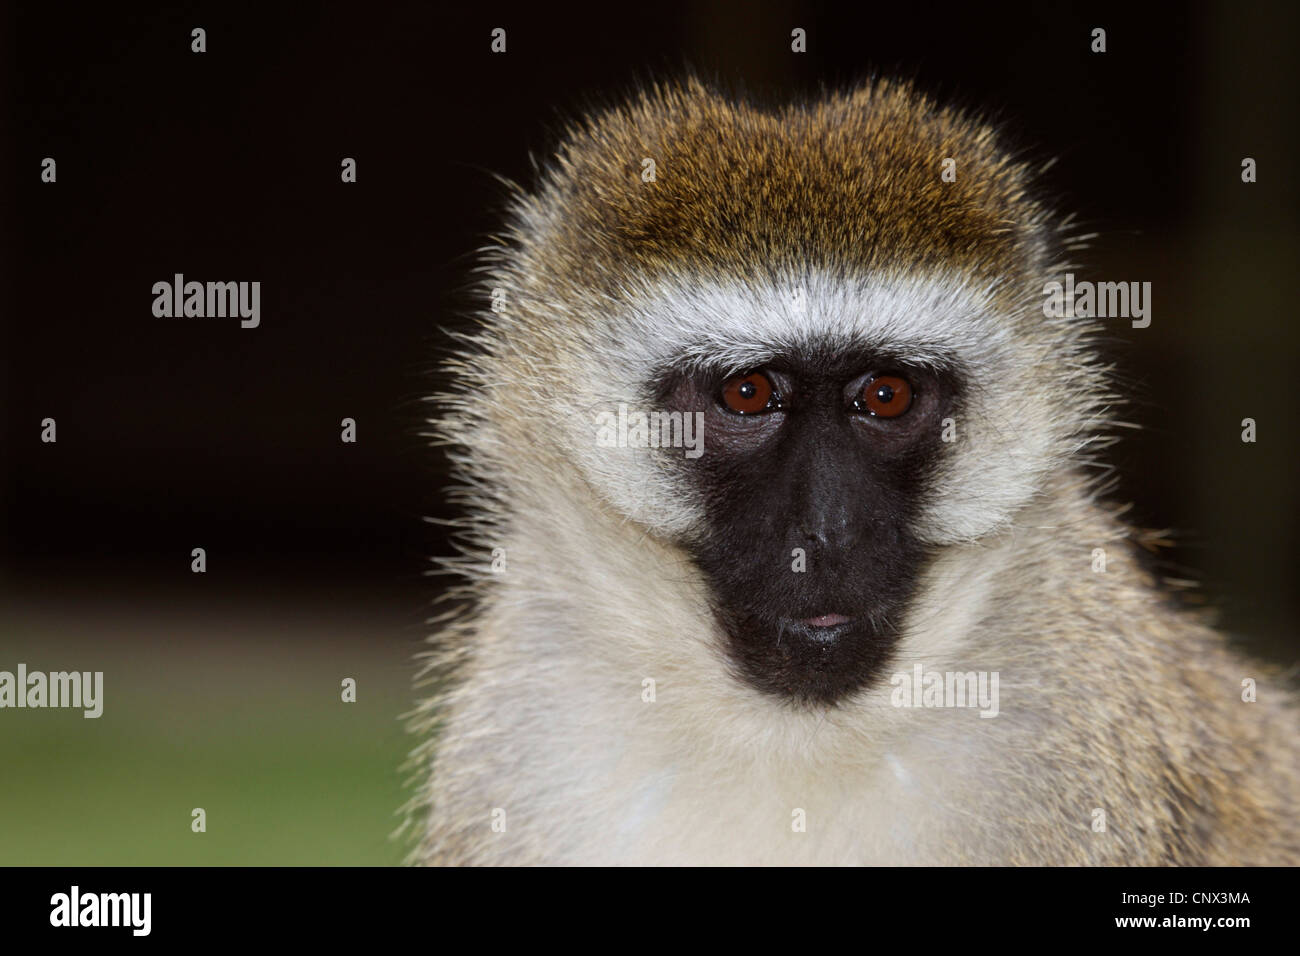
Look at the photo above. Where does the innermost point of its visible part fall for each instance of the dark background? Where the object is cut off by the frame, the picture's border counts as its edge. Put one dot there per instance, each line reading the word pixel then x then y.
pixel 183 433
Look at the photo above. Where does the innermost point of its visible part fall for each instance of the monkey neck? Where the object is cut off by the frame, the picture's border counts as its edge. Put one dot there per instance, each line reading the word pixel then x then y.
pixel 554 720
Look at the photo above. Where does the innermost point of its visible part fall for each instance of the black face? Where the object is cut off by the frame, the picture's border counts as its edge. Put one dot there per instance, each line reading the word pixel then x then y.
pixel 813 474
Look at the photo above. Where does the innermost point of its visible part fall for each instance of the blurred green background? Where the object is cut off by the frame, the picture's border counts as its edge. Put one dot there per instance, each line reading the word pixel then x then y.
pixel 233 708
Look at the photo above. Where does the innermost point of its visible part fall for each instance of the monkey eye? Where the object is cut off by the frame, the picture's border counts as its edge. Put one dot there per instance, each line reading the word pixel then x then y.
pixel 749 394
pixel 884 396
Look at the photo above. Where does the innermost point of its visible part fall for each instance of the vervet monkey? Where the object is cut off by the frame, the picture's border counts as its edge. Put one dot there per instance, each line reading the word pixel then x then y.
pixel 729 657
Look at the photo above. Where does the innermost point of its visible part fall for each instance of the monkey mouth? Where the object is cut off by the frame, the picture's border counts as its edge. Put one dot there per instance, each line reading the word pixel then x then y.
pixel 823 629
pixel 826 620
pixel 816 659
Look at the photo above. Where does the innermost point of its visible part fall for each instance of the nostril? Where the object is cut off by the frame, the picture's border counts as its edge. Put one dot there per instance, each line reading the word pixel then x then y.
pixel 814 535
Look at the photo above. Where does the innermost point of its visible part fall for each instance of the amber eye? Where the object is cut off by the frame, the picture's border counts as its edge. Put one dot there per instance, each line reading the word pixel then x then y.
pixel 747 394
pixel 886 396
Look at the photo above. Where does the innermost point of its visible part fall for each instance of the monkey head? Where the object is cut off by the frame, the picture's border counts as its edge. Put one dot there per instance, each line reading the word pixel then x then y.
pixel 861 337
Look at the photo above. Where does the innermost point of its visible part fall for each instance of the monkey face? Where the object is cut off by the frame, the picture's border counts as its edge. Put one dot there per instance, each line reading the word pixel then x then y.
pixel 816 470
pixel 864 340
pixel 852 429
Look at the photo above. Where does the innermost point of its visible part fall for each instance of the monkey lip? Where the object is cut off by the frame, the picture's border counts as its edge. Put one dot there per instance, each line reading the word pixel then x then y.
pixel 824 631
pixel 826 620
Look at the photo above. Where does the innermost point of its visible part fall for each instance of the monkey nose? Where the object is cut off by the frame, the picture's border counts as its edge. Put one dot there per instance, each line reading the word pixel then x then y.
pixel 814 536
